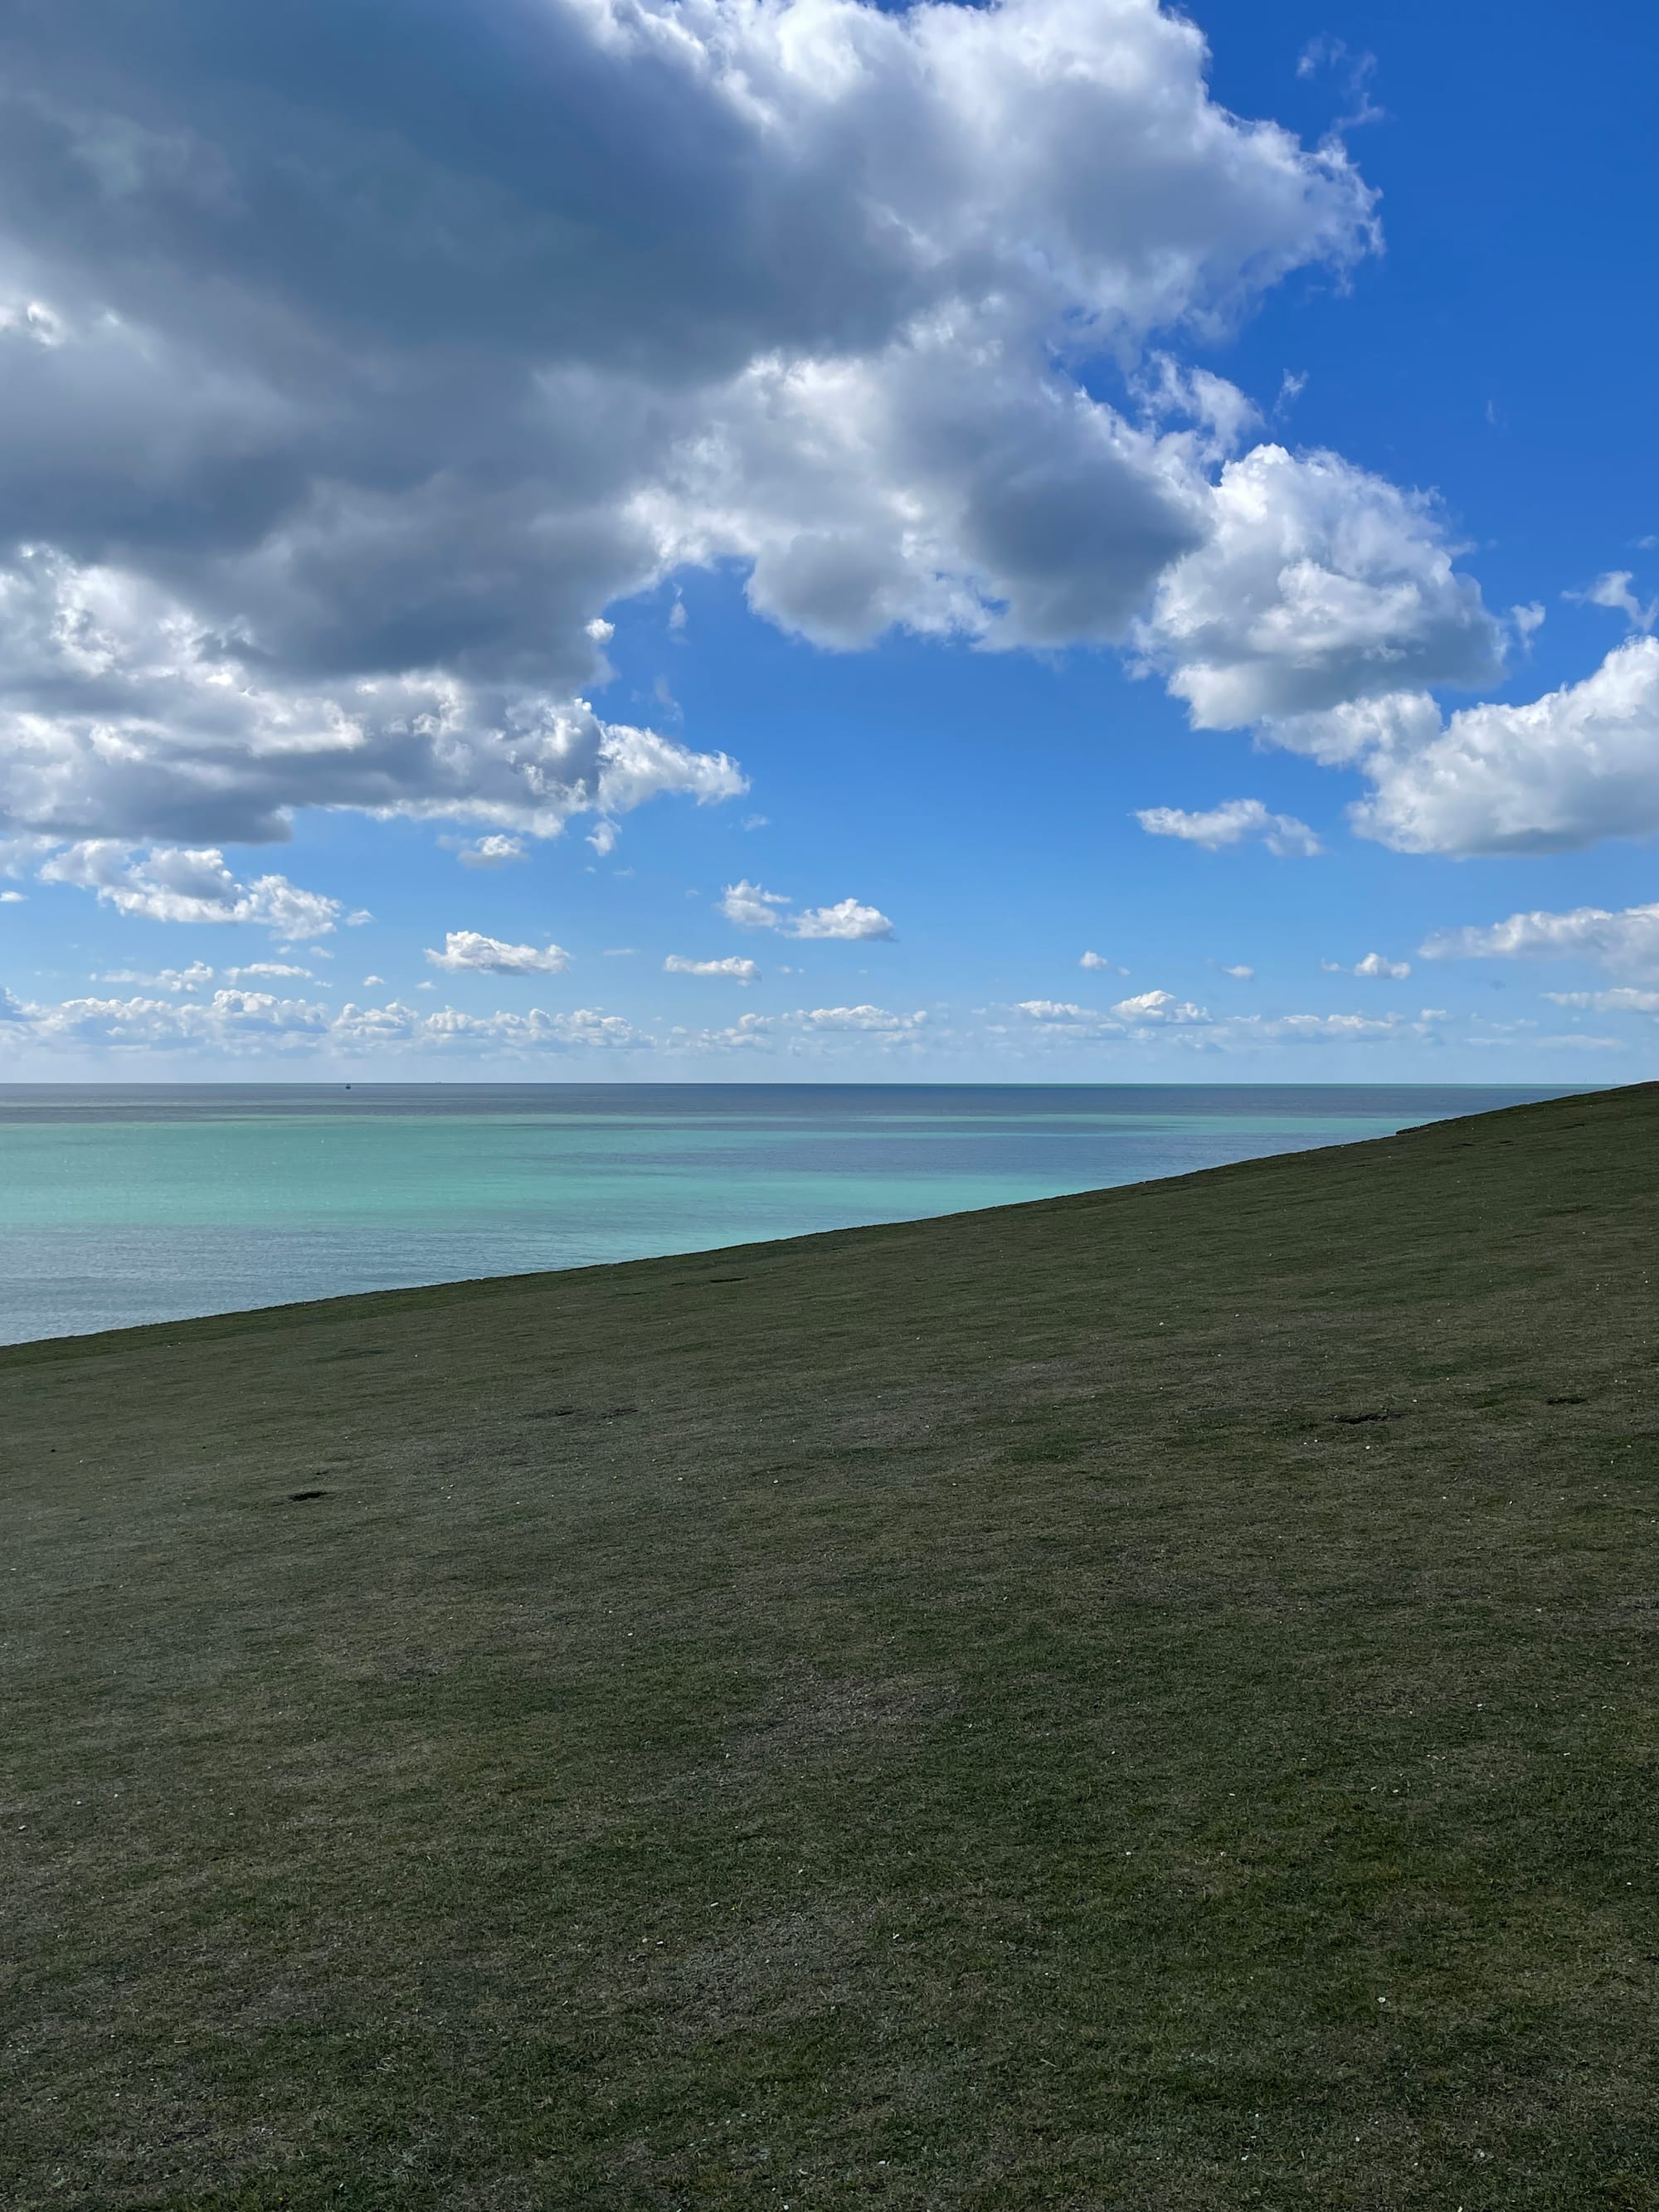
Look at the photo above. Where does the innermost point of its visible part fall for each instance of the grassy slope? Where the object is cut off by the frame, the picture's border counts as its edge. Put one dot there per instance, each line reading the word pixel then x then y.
pixel 960 1715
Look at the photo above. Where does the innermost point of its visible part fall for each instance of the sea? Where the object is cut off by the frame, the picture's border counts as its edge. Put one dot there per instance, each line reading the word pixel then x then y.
pixel 121 1204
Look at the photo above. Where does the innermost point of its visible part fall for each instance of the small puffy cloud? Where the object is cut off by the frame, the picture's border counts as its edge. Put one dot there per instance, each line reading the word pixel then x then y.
pixel 734 970
pixel 1318 1029
pixel 12 898
pixel 1056 1010
pixel 848 919
pixel 1373 965
pixel 599 630
pixel 196 977
pixel 1623 1000
pixel 749 1033
pixel 809 1030
pixel 373 982
pixel 1160 1007
pixel 1626 938
pixel 1526 621
pixel 496 851
pixel 1235 822
pixel 752 908
pixel 1614 592
pixel 1099 960
pixel 270 967
pixel 1315 585
pixel 190 885
pixel 874 1021
pixel 1240 973
pixel 1219 414
pixel 466 950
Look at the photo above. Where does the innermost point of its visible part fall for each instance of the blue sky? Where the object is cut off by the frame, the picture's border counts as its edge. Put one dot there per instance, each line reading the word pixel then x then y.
pixel 750 543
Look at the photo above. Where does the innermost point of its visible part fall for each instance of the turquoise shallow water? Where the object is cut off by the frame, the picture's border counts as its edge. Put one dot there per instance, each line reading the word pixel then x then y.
pixel 120 1205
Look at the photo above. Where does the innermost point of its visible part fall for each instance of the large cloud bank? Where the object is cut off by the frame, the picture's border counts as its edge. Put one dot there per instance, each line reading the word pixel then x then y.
pixel 356 359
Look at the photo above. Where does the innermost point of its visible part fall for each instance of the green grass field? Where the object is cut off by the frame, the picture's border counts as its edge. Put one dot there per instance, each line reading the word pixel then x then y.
pixel 1146 1699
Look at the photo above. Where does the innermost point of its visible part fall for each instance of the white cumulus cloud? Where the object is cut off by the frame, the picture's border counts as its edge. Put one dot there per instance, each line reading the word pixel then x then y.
pixel 1065 1010
pixel 1158 1020
pixel 125 715
pixel 1316 1029
pixel 1322 606
pixel 1235 822
pixel 1550 775
pixel 848 919
pixel 1316 584
pixel 1622 938
pixel 1146 1010
pixel 751 908
pixel 1159 1008
pixel 749 1033
pixel 875 1021
pixel 1374 964
pixel 495 851
pixel 1613 590
pixel 196 977
pixel 734 970
pixel 467 949
pixel 191 884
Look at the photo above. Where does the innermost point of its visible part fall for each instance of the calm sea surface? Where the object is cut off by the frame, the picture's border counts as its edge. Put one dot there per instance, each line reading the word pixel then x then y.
pixel 145 1203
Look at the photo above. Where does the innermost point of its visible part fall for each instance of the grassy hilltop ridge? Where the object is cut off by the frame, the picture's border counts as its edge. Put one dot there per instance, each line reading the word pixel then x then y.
pixel 1143 1699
